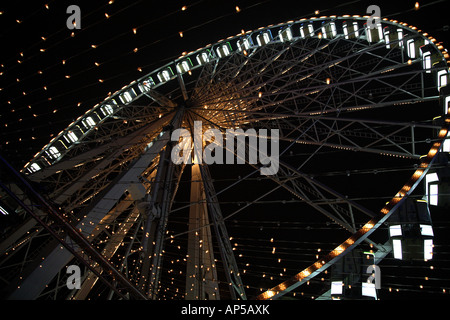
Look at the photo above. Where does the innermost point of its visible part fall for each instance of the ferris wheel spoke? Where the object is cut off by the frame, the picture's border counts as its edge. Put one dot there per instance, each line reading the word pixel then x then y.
pixel 360 93
pixel 265 61
pixel 392 138
pixel 305 193
pixel 293 186
pixel 161 99
pixel 315 189
pixel 359 78
pixel 333 60
pixel 320 187
pixel 382 137
pixel 355 147
pixel 292 98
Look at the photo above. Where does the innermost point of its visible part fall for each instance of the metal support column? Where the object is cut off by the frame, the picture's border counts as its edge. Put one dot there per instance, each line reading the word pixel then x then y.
pixel 201 273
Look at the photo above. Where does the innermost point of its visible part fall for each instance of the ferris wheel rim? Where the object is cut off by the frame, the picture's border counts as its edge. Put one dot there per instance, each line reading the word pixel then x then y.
pixel 138 83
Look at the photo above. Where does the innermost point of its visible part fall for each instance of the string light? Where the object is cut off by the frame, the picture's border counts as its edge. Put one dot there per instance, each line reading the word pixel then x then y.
pixel 73 34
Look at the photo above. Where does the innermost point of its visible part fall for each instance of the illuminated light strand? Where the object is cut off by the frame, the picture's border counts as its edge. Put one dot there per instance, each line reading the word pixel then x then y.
pixel 74 22
pixel 108 16
pixel 183 8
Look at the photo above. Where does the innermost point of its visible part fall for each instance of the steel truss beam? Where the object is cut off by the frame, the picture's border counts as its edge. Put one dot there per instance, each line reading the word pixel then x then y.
pixel 72 240
pixel 57 259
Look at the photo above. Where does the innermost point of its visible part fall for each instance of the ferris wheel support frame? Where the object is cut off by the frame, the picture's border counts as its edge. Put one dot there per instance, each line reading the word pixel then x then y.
pixel 72 241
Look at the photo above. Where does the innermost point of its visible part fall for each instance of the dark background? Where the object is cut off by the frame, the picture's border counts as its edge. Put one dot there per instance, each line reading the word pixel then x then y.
pixel 41 95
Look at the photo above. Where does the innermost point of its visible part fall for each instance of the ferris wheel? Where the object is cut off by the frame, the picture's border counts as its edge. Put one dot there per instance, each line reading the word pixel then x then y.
pixel 361 115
